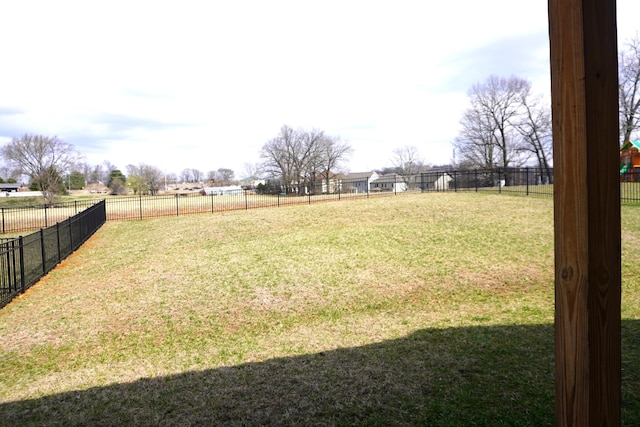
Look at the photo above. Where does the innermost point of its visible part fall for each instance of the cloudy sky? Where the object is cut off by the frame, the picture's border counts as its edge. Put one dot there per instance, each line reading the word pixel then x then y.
pixel 204 84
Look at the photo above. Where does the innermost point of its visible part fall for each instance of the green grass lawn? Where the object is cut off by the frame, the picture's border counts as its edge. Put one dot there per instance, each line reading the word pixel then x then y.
pixel 426 309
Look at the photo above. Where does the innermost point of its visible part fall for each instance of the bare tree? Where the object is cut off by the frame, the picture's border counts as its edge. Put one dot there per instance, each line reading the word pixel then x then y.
pixel 145 179
pixel 490 136
pixel 310 161
pixel 252 170
pixel 185 175
pixel 629 89
pixel 171 178
pixel 96 173
pixel 282 156
pixel 535 128
pixel 197 175
pixel 85 169
pixel 475 144
pixel 9 174
pixel 154 178
pixel 44 159
pixel 408 162
pixel 499 100
pixel 277 159
pixel 224 176
pixel 332 152
pixel 296 157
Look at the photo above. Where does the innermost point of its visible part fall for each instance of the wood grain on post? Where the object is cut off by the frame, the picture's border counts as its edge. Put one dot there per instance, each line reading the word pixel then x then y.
pixel 584 86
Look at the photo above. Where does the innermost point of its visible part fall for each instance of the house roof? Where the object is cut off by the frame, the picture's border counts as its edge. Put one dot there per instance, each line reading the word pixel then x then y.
pixel 323 175
pixel 3 186
pixel 359 175
pixel 631 144
pixel 390 177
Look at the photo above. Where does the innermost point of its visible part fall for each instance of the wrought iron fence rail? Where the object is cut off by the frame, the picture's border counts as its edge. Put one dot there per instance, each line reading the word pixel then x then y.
pixel 29 218
pixel 522 181
pixel 144 207
pixel 24 260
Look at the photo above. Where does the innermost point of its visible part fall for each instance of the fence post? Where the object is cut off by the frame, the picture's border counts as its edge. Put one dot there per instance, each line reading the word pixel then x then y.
pixel 278 199
pixel 177 206
pixel 13 263
pixel 75 203
pixel 11 254
pixel 140 201
pixel 476 178
pixel 212 206
pixel 526 171
pixel 3 230
pixel 58 240
pixel 44 254
pixel 45 215
pixel 246 201
pixel 70 236
pixel 21 249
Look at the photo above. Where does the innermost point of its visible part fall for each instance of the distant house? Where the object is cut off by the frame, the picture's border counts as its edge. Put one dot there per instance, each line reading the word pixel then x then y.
pixel 9 187
pixel 332 185
pixel 435 181
pixel 389 182
pixel 255 182
pixel 630 161
pixel 358 182
pixel 229 190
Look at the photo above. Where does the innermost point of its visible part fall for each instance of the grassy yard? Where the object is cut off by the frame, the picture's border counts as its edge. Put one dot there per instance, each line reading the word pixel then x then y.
pixel 426 309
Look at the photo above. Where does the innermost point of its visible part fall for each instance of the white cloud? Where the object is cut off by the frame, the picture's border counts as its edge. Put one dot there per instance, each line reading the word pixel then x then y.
pixel 204 84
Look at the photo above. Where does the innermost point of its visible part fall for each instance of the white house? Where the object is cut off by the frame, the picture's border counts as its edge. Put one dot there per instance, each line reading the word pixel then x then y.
pixel 358 182
pixel 229 190
pixel 389 182
pixel 435 181
pixel 329 186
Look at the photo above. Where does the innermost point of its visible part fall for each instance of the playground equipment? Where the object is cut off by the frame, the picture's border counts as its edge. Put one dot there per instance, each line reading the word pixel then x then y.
pixel 630 161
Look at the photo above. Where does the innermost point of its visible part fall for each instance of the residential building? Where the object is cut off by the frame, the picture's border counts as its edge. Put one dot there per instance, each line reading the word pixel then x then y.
pixel 358 182
pixel 389 182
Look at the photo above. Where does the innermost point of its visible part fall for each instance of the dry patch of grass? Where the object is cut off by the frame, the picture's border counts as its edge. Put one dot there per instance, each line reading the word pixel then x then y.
pixel 337 313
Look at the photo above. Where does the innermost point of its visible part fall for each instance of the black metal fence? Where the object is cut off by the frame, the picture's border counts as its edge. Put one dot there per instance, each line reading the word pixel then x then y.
pixel 24 260
pixel 144 207
pixel 29 218
pixel 521 181
pixel 525 181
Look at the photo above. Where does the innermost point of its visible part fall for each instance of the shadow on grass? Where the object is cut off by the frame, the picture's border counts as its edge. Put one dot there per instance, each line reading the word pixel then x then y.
pixel 485 376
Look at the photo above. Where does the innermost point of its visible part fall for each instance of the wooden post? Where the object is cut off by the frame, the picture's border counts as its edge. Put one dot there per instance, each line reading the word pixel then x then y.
pixel 584 86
